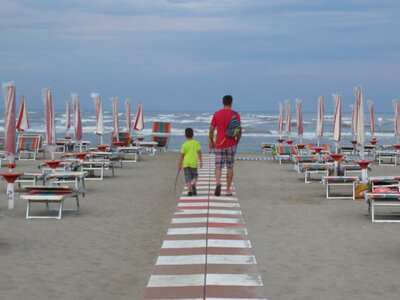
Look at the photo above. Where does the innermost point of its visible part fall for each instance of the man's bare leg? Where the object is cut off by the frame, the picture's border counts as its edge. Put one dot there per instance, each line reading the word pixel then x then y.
pixel 229 178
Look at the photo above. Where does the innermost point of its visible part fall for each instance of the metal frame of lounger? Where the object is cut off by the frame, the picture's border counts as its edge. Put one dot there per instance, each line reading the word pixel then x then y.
pixel 384 181
pixel 330 181
pixel 68 177
pixel 383 200
pixel 129 151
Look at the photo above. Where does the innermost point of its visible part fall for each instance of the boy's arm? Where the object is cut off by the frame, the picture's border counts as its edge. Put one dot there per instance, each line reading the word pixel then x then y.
pixel 200 158
pixel 181 155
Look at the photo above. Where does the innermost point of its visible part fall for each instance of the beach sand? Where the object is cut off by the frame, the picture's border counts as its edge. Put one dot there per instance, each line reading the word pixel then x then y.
pixel 306 247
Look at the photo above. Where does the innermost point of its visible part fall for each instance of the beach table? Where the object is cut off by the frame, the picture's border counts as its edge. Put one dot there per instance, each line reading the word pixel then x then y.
pixel 387 200
pixel 300 160
pixel 316 168
pixel 48 195
pixel 334 181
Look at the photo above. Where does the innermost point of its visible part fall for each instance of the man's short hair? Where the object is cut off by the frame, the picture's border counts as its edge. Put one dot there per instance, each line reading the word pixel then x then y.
pixel 189 133
pixel 227 100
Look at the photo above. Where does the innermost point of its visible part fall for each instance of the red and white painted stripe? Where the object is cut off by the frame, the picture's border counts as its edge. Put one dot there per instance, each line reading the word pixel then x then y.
pixel 206 254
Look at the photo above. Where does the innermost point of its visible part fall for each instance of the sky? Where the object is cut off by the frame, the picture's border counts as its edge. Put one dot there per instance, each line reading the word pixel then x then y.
pixel 185 55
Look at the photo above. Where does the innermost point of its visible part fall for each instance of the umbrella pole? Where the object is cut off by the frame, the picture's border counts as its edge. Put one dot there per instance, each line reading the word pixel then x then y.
pixel 80 146
pixel 337 147
pixel 101 140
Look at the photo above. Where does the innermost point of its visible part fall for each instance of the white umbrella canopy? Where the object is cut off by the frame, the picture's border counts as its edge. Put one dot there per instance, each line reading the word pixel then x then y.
pixel 139 121
pixel 67 118
pixel 128 116
pixel 371 117
pixel 49 117
pixel 280 120
pixel 288 118
pixel 114 102
pixel 77 120
pixel 299 115
pixel 320 119
pixel 396 108
pixel 337 119
pixel 23 120
pixel 9 122
pixel 99 115
pixel 360 119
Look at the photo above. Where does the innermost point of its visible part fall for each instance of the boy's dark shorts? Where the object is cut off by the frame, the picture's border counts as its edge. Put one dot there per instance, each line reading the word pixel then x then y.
pixel 190 174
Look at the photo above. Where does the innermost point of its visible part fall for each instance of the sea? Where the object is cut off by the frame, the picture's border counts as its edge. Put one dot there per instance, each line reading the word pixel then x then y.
pixel 258 127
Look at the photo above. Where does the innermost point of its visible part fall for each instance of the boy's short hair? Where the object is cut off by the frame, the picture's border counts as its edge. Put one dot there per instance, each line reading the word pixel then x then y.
pixel 189 133
pixel 227 100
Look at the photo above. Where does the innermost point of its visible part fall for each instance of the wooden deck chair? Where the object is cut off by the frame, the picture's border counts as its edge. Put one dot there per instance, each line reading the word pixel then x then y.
pixel 122 137
pixel 28 144
pixel 161 134
pixel 285 152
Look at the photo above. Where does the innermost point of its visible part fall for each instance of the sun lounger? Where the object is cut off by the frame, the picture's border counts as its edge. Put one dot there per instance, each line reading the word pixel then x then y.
pixel 267 148
pixel 347 169
pixel 161 133
pixel 64 145
pixel 316 168
pixel 76 178
pixel 93 166
pixel 29 178
pixel 123 137
pixel 388 199
pixel 85 145
pixel 299 160
pixel 334 181
pixel 129 154
pixel 285 152
pixel 384 181
pixel 48 195
pixel 387 157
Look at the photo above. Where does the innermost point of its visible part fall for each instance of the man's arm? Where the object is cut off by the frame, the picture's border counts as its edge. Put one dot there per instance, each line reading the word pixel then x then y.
pixel 211 137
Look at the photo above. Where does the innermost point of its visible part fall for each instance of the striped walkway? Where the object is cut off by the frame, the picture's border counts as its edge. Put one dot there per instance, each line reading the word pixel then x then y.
pixel 206 253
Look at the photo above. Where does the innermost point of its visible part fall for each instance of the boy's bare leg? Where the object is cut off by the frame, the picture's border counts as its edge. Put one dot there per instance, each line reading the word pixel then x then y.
pixel 218 173
pixel 229 178
pixel 189 185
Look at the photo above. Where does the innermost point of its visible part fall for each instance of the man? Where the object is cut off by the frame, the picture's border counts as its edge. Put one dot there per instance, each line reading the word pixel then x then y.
pixel 225 147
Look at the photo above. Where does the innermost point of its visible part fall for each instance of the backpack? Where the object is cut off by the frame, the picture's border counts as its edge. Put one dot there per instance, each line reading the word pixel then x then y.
pixel 234 127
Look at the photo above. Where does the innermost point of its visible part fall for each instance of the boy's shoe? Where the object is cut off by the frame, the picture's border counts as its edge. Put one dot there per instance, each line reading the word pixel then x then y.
pixel 189 194
pixel 194 190
pixel 217 190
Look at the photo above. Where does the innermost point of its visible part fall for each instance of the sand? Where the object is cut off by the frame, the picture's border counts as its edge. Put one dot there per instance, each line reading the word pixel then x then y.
pixel 307 247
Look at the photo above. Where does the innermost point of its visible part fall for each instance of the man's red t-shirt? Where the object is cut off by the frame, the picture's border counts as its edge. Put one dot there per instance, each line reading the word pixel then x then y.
pixel 221 121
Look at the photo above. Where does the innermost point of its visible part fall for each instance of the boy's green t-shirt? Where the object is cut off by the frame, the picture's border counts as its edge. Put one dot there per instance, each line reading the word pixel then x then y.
pixel 190 150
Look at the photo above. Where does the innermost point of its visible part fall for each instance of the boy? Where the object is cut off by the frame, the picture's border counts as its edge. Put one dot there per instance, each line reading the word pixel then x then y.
pixel 189 157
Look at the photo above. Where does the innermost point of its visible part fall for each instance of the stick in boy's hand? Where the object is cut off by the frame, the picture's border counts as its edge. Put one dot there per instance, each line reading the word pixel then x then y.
pixel 176 179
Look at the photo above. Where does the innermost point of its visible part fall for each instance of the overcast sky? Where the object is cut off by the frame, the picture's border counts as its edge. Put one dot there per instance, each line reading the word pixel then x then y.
pixel 185 55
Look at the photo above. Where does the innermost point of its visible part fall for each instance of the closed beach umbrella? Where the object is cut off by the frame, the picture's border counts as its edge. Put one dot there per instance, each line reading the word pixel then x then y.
pixel 337 119
pixel 299 115
pixel 320 119
pixel 360 119
pixel 115 117
pixel 49 117
pixel 67 118
pixel 287 118
pixel 280 119
pixel 23 121
pixel 77 120
pixel 353 121
pixel 9 122
pixel 396 107
pixel 371 117
pixel 139 121
pixel 128 116
pixel 99 116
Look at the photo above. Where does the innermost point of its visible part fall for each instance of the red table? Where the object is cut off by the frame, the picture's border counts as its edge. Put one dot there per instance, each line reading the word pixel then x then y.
pixel 301 146
pixel 289 142
pixel 10 178
pixel 53 164
pixel 364 168
pixel 280 141
pixel 102 148
pixel 118 144
pixel 80 155
pixel 373 141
